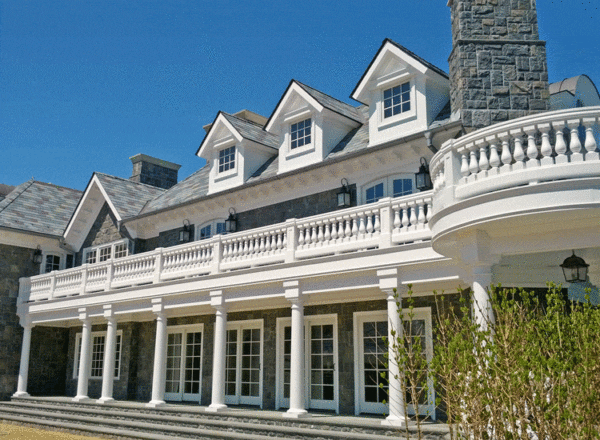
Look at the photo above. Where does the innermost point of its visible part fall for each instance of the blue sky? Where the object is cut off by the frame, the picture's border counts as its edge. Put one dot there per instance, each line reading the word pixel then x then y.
pixel 86 84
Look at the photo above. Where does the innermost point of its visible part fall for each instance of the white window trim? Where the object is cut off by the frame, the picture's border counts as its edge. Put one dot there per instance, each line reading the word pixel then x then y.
pixel 184 329
pixel 231 171
pixel 113 244
pixel 213 227
pixel 294 118
pixel 239 326
pixel 61 264
pixel 388 186
pixel 384 122
pixel 379 315
pixel 76 354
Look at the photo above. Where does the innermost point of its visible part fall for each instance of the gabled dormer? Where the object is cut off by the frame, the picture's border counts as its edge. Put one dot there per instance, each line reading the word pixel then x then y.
pixel 309 124
pixel 404 93
pixel 235 146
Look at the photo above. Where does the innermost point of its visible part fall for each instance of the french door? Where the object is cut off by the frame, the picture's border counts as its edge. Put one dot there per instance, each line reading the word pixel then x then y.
pixel 320 366
pixel 184 363
pixel 243 363
pixel 370 354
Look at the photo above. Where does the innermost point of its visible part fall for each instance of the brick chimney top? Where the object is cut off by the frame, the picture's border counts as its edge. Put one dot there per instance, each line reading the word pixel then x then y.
pixel 153 171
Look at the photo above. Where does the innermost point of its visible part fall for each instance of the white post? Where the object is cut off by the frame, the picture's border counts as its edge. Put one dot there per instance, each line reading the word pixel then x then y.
pixel 110 350
pixel 24 368
pixel 388 281
pixel 297 389
pixel 217 301
pixel 160 355
pixel 85 357
pixel 482 308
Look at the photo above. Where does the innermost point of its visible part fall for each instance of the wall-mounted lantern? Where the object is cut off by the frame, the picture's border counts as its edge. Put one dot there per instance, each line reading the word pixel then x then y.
pixel 422 178
pixel 231 222
pixel 184 234
pixel 575 269
pixel 343 197
pixel 37 255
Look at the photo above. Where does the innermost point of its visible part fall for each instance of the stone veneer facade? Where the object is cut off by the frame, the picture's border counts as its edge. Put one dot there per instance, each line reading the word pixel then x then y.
pixel 498 68
pixel 152 171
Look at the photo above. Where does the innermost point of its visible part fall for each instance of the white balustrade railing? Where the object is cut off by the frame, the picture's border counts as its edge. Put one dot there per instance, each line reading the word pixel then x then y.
pixel 543 147
pixel 374 226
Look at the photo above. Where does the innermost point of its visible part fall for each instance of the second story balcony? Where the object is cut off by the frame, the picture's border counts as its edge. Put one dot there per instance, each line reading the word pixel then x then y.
pixel 372 227
pixel 530 184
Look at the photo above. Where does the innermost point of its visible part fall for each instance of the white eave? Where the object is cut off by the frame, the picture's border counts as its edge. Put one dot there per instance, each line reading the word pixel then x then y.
pixel 286 99
pixel 86 213
pixel 211 140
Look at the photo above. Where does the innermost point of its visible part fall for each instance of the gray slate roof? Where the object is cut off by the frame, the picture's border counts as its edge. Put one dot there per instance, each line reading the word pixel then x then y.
pixel 333 104
pixel 128 197
pixel 191 188
pixel 38 207
pixel 252 131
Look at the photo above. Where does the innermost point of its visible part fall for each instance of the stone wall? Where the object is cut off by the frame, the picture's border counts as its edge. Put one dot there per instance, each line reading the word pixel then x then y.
pixel 152 171
pixel 15 262
pixel 498 68
pixel 104 230
pixel 48 363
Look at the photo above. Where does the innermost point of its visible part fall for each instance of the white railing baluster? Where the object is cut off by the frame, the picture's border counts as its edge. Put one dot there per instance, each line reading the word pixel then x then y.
pixel 546 148
pixel 575 144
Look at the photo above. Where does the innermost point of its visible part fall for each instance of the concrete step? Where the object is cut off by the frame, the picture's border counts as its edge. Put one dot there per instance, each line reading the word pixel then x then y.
pixel 134 420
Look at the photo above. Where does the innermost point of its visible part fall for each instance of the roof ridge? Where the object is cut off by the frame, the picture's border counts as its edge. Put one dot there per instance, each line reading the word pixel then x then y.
pixel 262 127
pixel 130 181
pixel 56 186
pixel 417 57
pixel 326 94
pixel 30 181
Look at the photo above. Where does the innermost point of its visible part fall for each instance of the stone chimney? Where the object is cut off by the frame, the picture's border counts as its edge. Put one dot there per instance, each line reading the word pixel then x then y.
pixel 152 171
pixel 498 68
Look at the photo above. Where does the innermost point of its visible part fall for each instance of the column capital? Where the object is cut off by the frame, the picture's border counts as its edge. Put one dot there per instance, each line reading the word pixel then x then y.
pixel 158 307
pixel 25 322
pixel 388 280
pixel 83 314
pixel 109 312
pixel 217 300
pixel 293 291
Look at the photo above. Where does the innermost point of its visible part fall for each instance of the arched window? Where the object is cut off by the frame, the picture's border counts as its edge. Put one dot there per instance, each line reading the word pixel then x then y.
pixel 390 186
pixel 207 230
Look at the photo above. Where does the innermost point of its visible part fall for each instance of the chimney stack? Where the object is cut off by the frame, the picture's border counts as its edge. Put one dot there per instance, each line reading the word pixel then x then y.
pixel 498 68
pixel 152 171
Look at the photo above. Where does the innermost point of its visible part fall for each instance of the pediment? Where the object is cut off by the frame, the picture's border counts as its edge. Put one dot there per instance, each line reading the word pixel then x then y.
pixel 220 133
pixel 294 101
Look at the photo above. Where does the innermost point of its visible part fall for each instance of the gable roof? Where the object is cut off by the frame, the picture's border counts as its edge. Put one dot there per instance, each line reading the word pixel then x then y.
pixel 321 99
pixel 252 131
pixel 126 196
pixel 415 57
pixel 38 207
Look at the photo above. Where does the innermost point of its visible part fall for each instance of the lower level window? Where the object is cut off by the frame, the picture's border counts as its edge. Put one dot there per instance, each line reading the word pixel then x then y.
pixel 98 346
pixel 210 229
pixel 105 252
pixel 52 263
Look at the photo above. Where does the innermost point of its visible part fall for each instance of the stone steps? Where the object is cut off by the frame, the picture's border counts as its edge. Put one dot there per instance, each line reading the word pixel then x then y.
pixel 134 421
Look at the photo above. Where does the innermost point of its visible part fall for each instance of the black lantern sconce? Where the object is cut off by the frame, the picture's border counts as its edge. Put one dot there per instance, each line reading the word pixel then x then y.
pixel 184 234
pixel 343 197
pixel 422 178
pixel 37 255
pixel 575 269
pixel 231 222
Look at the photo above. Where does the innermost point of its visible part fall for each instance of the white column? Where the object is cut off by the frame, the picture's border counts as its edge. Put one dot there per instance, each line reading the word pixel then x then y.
pixel 297 388
pixel 388 282
pixel 110 350
pixel 85 358
pixel 24 368
pixel 482 308
pixel 217 301
pixel 160 356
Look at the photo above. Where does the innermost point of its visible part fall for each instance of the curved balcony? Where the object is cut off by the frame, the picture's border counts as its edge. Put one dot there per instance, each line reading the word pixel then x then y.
pixel 531 184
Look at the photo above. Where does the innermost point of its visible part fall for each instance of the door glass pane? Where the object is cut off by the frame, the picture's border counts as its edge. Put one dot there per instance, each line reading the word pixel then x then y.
pixel 193 360
pixel 231 363
pixel 416 330
pixel 250 362
pixel 322 362
pixel 174 346
pixel 374 350
pixel 287 360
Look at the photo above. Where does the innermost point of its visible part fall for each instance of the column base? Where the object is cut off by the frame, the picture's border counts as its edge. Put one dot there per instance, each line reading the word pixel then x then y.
pixel 216 408
pixel 104 400
pixel 155 403
pixel 80 399
pixel 295 414
pixel 21 394
pixel 398 421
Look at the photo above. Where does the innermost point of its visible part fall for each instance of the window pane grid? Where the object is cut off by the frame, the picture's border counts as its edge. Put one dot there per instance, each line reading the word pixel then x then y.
pixel 231 363
pixel 374 352
pixel 402 187
pixel 193 360
pixel 396 100
pixel 121 250
pixel 301 133
pixel 174 350
pixel 226 159
pixel 104 253
pixel 90 257
pixel 321 362
pixel 250 362
pixel 52 263
pixel 287 360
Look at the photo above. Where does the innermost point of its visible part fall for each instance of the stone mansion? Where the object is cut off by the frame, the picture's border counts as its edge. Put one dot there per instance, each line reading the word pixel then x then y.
pixel 267 277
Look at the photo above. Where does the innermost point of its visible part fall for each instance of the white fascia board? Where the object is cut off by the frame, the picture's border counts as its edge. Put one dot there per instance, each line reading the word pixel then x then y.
pixel 209 142
pixel 362 91
pixel 74 238
pixel 280 110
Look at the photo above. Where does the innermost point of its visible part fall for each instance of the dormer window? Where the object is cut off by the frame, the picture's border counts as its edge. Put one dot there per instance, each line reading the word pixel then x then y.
pixel 227 159
pixel 396 100
pixel 301 133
